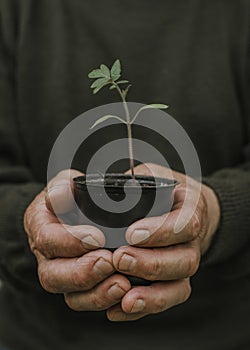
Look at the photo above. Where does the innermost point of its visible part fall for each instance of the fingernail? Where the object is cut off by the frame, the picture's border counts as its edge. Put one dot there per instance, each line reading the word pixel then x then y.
pixel 56 188
pixel 138 305
pixel 116 315
pixel 139 236
pixel 127 262
pixel 116 292
pixel 103 267
pixel 89 241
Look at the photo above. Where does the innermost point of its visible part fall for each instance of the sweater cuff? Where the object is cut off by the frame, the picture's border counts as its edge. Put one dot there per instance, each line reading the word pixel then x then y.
pixel 232 236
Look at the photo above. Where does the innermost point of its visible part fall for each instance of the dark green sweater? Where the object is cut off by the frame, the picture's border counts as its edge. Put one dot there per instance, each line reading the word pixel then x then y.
pixel 192 54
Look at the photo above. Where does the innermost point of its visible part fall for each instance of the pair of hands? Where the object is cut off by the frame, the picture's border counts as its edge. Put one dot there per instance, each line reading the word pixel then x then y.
pixel 72 261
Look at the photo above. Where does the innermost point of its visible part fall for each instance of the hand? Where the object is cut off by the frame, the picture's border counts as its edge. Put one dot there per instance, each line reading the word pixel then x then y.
pixel 162 256
pixel 68 259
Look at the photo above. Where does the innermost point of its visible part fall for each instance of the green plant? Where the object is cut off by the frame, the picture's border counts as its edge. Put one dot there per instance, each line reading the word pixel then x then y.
pixel 105 76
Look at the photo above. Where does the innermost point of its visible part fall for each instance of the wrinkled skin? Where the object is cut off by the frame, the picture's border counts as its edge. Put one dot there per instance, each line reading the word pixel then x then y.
pixel 72 261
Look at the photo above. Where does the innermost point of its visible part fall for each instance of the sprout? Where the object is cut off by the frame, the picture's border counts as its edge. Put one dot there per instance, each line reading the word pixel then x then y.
pixel 110 77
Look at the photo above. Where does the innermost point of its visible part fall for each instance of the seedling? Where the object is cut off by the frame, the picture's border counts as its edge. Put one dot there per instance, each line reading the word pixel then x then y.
pixel 111 77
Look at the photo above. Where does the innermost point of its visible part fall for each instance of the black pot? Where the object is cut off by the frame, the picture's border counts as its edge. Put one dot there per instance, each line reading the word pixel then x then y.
pixel 148 196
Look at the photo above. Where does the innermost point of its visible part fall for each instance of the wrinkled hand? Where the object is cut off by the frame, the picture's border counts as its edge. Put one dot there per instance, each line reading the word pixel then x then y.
pixel 68 259
pixel 162 256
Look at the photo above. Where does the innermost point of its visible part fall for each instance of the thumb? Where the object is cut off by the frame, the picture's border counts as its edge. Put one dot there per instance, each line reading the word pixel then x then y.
pixel 141 169
pixel 155 170
pixel 59 191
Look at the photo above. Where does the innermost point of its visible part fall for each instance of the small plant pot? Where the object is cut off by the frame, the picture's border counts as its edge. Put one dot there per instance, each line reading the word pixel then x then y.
pixel 114 201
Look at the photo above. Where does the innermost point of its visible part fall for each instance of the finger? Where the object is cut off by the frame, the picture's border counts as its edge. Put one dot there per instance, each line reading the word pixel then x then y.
pixel 53 239
pixel 76 274
pixel 156 170
pixel 160 264
pixel 152 299
pixel 63 241
pixel 161 231
pixel 59 192
pixel 116 314
pixel 101 297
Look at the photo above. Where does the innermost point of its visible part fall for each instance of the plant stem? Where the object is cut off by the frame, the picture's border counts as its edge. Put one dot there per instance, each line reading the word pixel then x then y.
pixel 129 130
pixel 130 146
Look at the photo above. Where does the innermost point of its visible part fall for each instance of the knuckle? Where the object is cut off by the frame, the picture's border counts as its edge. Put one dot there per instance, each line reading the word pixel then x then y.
pixel 196 226
pixel 29 218
pixel 83 276
pixel 192 262
pixel 154 270
pixel 81 280
pixel 39 240
pixel 32 245
pixel 183 266
pixel 42 242
pixel 45 280
pixel 187 290
pixel 165 235
pixel 99 303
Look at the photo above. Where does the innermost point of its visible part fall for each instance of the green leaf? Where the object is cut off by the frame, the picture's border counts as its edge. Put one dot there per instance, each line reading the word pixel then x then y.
pixel 151 106
pixel 106 117
pixel 112 87
pixel 105 71
pixel 126 90
pixel 98 89
pixel 116 70
pixel 96 73
pixel 99 83
pixel 122 82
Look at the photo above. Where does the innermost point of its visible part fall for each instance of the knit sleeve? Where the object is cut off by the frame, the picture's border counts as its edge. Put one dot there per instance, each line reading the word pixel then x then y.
pixel 17 184
pixel 231 242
